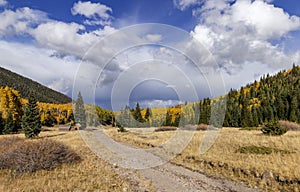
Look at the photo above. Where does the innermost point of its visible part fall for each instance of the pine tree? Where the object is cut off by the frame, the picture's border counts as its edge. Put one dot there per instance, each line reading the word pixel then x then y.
pixel 148 116
pixel 10 124
pixel 31 120
pixel 1 123
pixel 168 120
pixel 16 108
pixel 293 109
pixel 80 116
pixel 205 111
pixel 255 121
pixel 137 113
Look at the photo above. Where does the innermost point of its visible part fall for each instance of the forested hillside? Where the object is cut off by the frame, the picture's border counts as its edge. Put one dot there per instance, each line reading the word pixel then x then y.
pixel 12 107
pixel 24 86
pixel 273 97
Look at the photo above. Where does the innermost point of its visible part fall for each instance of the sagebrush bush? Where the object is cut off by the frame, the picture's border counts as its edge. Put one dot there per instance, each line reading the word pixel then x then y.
pixel 9 143
pixel 30 156
pixel 202 127
pixel 273 127
pixel 165 129
pixel 291 126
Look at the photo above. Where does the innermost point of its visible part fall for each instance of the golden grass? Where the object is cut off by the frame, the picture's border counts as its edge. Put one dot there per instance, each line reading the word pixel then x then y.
pixel 144 140
pixel 223 152
pixel 91 174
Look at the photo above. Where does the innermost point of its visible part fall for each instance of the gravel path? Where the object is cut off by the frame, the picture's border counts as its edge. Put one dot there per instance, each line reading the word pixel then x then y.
pixel 135 164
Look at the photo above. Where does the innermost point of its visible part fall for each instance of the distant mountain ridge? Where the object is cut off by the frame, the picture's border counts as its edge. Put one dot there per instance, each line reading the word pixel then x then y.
pixel 24 85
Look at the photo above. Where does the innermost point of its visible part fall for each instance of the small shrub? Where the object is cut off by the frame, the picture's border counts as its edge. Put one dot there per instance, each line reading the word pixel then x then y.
pixel 165 129
pixel 260 150
pixel 273 128
pixel 200 127
pixel 121 129
pixel 30 156
pixel 291 126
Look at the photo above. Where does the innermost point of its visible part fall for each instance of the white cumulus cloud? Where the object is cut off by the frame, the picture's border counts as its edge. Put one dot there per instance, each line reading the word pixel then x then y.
pixel 20 21
pixel 97 13
pixel 243 32
pixel 63 37
pixel 184 4
pixel 39 64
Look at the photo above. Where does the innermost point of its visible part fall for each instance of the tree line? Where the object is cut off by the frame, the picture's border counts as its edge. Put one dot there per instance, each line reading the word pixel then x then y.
pixel 271 98
pixel 13 108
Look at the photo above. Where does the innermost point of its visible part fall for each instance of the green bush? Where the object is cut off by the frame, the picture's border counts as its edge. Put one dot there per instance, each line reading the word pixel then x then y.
pixel 120 127
pixel 273 127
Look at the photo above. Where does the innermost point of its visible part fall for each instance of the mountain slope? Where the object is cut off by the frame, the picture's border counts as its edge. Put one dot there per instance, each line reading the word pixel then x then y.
pixel 273 97
pixel 24 85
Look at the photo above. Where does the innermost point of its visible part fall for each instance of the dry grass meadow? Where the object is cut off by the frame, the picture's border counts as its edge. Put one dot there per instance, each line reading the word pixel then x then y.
pixel 224 160
pixel 91 174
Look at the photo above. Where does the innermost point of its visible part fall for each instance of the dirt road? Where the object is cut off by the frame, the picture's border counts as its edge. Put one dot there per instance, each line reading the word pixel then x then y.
pixel 170 177
pixel 135 164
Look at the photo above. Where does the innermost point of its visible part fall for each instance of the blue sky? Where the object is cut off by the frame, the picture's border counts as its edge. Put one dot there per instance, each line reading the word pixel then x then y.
pixel 53 42
pixel 124 12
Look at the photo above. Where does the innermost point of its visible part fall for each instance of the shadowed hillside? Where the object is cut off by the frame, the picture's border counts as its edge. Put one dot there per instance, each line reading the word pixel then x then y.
pixel 24 85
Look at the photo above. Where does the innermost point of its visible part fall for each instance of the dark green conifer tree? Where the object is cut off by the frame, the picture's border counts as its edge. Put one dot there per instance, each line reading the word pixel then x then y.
pixel 80 116
pixel 31 120
pixel 293 109
pixel 1 123
pixel 168 120
pixel 137 113
pixel 148 116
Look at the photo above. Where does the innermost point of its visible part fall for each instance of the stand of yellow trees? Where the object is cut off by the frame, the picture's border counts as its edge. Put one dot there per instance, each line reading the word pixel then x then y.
pixel 12 106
